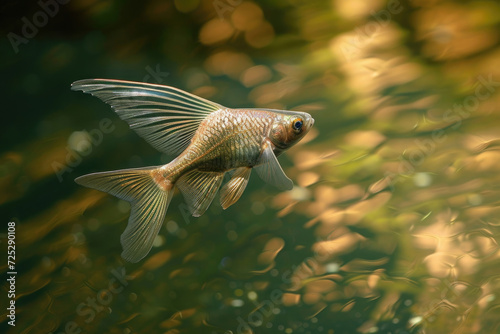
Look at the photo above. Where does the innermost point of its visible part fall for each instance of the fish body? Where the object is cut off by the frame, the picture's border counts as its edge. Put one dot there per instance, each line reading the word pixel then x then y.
pixel 227 139
pixel 209 139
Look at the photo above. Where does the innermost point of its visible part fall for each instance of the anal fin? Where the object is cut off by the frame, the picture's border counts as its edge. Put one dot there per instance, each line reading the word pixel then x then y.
pixel 199 189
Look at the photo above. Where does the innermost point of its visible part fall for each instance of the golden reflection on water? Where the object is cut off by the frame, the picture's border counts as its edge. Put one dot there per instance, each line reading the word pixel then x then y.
pixel 392 226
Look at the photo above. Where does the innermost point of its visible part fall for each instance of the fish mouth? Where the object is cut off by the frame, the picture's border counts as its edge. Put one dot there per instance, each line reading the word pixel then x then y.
pixel 310 121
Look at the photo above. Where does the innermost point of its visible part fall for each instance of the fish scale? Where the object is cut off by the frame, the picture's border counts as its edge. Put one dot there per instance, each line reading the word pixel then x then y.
pixel 232 143
pixel 208 138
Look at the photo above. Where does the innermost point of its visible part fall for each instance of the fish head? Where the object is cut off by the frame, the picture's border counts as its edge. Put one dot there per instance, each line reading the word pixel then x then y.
pixel 288 128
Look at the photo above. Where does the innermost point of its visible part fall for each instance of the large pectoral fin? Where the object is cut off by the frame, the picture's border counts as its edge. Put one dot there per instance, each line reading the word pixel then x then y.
pixel 199 189
pixel 269 169
pixel 231 191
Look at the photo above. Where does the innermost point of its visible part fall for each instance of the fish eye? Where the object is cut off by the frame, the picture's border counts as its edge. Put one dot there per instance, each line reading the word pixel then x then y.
pixel 297 124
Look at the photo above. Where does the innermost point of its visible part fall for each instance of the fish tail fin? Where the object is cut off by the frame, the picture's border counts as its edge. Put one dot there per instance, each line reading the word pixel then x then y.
pixel 149 202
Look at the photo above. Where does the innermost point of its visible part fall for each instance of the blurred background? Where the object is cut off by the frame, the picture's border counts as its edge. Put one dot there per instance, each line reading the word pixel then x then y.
pixel 392 227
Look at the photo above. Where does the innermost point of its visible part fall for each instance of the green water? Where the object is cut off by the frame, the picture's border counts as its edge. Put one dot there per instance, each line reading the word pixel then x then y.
pixel 393 226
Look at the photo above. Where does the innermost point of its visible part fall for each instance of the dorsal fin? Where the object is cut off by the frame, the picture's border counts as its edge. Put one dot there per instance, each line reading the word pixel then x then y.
pixel 166 117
